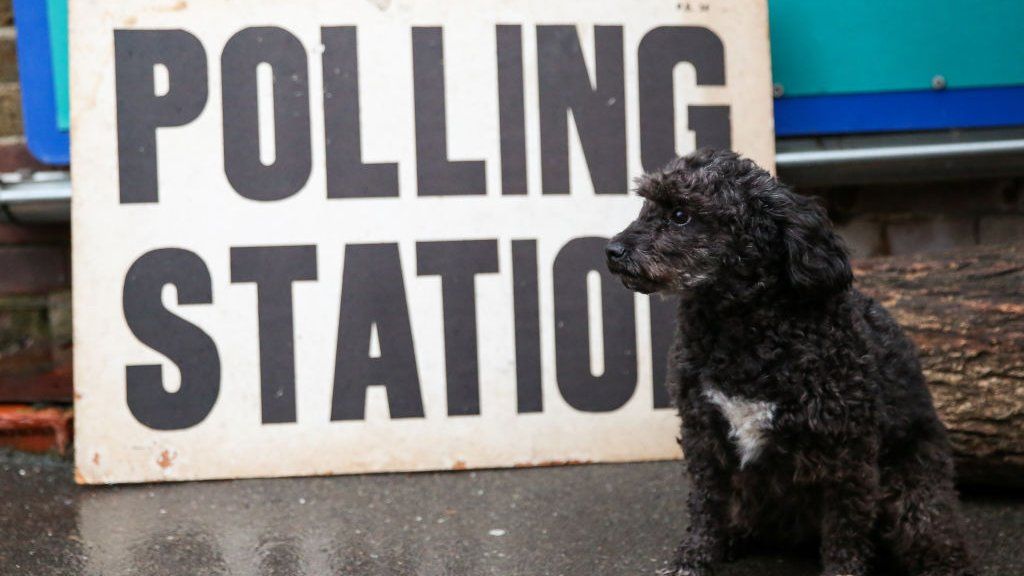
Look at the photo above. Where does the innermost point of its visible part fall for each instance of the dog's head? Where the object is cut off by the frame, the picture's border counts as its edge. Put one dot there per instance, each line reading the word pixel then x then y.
pixel 715 220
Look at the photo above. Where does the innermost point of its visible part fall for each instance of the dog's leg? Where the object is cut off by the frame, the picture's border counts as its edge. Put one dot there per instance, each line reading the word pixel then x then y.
pixel 704 543
pixel 920 520
pixel 849 509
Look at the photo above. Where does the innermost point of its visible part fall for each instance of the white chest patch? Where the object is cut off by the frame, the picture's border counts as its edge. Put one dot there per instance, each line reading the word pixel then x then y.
pixel 748 422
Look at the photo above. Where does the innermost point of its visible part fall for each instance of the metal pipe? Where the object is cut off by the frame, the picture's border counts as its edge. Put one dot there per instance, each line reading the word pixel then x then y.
pixel 45 196
pixel 39 187
pixel 808 158
pixel 35 198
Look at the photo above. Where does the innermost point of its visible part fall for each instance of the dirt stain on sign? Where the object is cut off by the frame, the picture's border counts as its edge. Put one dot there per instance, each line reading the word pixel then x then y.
pixel 166 459
pixel 547 463
pixel 176 7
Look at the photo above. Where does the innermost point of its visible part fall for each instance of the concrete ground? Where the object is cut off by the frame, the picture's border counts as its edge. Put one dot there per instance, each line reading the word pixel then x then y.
pixel 571 521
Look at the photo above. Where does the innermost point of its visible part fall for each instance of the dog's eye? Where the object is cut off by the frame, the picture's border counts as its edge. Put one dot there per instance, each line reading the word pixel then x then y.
pixel 679 217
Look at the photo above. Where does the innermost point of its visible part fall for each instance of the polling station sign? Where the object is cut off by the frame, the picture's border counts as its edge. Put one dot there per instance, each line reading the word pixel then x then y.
pixel 340 236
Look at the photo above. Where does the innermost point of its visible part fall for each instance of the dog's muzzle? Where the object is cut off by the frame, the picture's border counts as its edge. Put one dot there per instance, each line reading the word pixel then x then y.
pixel 617 256
pixel 615 250
pixel 615 253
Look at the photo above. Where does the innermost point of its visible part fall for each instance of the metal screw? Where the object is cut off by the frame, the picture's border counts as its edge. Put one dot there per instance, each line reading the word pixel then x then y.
pixel 778 90
pixel 938 82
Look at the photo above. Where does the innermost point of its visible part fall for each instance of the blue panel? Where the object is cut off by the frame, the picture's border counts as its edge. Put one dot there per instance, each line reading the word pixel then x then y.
pixel 46 141
pixel 899 111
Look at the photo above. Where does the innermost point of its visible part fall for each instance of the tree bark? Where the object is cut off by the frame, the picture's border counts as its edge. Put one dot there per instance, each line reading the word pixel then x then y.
pixel 965 311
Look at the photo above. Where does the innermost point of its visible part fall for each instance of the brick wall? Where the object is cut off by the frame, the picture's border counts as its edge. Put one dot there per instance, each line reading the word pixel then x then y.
pixel 906 218
pixel 35 321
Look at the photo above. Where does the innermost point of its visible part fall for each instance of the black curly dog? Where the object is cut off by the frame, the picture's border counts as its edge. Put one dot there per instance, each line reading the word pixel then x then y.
pixel 805 416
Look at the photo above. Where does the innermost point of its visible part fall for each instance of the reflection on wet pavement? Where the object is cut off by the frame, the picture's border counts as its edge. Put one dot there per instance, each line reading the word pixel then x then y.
pixel 606 519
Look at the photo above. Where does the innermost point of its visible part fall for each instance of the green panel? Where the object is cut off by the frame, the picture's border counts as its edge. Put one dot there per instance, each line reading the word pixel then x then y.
pixel 57 18
pixel 833 47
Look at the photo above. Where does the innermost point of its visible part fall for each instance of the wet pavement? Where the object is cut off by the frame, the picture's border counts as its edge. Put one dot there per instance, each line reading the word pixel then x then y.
pixel 581 520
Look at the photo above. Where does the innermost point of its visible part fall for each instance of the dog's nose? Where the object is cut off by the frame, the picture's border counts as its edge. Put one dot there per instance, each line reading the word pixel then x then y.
pixel 615 250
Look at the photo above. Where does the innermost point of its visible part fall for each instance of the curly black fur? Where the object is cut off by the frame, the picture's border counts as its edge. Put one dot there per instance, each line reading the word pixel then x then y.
pixel 805 416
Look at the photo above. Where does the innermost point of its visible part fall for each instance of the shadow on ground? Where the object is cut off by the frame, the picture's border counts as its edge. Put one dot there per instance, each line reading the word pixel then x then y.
pixel 583 520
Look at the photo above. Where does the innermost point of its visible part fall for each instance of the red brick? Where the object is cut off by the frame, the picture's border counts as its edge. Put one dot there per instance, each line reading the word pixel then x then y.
pixel 53 386
pixel 10 109
pixel 34 233
pixel 929 234
pixel 8 55
pixel 58 312
pixel 27 357
pixel 35 348
pixel 37 430
pixel 23 320
pixel 1000 229
pixel 34 269
pixel 863 237
pixel 14 156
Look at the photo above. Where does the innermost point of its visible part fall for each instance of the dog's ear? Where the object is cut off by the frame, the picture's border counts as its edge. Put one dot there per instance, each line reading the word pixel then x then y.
pixel 816 259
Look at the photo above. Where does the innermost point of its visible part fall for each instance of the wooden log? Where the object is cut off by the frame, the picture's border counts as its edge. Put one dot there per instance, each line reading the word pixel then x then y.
pixel 965 311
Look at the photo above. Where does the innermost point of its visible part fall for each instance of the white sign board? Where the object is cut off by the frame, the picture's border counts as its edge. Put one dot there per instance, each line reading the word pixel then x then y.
pixel 337 236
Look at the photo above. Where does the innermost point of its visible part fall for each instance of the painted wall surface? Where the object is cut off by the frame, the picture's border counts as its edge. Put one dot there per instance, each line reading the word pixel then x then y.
pixel 329 236
pixel 882 46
